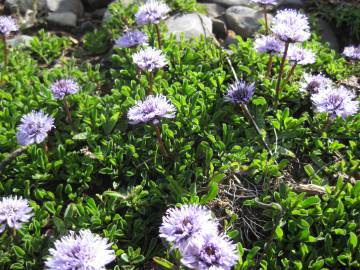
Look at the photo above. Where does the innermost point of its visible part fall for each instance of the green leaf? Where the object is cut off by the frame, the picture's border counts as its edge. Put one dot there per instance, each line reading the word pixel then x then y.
pixel 164 263
pixel 19 251
pixel 353 240
pixel 279 234
pixel 310 202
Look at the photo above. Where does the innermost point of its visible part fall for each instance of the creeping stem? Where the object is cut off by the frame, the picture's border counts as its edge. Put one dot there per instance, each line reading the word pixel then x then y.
pixel 160 141
pixel 11 157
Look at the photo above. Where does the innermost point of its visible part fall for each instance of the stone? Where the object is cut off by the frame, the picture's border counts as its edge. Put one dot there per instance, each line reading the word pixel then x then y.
pixel 23 5
pixel 99 13
pixel 213 10
pixel 292 4
pixel 62 19
pixel 64 6
pixel 96 4
pixel 191 24
pixel 229 3
pixel 219 27
pixel 244 20
pixel 327 34
pixel 20 40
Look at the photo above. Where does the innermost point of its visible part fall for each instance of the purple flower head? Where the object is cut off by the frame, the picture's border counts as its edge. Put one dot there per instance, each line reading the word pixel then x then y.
pixel 151 110
pixel 34 128
pixel 83 251
pixel 210 251
pixel 14 212
pixel 300 56
pixel 131 39
pixel 352 52
pixel 152 12
pixel 265 2
pixel 240 92
pixel 314 83
pixel 7 25
pixel 268 44
pixel 291 26
pixel 149 59
pixel 181 225
pixel 63 87
pixel 336 102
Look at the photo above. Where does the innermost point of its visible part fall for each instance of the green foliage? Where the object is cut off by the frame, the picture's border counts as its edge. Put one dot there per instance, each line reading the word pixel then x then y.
pixel 104 174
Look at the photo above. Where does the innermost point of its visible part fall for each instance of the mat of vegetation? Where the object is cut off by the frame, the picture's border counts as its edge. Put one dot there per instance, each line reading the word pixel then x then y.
pixel 183 156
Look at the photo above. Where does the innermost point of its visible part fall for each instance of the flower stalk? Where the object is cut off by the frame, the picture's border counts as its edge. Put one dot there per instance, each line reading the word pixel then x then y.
pixel 158 35
pixel 278 85
pixel 251 119
pixel 160 141
pixel 67 110
pixel 5 50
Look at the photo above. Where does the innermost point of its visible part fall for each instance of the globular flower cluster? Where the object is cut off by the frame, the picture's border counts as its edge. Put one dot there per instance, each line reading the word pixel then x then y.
pixel 83 251
pixel 314 83
pixel 291 26
pixel 268 44
pixel 63 87
pixel 131 39
pixel 151 13
pixel 240 92
pixel 14 211
pixel 149 59
pixel 194 231
pixel 300 56
pixel 336 102
pixel 7 25
pixel 34 128
pixel 266 2
pixel 352 52
pixel 151 110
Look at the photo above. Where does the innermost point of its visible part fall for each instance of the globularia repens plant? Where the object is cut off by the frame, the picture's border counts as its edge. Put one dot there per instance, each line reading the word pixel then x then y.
pixel 177 154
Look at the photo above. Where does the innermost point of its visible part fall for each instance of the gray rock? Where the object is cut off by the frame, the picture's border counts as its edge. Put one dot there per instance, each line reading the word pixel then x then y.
pixel 191 24
pixel 213 10
pixel 327 34
pixel 229 3
pixel 20 40
pixel 95 4
pixel 99 13
pixel 62 19
pixel 219 27
pixel 73 6
pixel 244 20
pixel 292 3
pixel 24 5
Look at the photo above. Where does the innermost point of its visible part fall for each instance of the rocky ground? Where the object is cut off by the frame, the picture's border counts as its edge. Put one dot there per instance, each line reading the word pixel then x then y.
pixel 223 18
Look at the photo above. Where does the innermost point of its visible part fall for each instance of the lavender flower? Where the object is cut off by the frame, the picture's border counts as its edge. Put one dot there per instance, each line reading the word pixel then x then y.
pixel 352 52
pixel 85 251
pixel 291 26
pixel 314 83
pixel 7 25
pixel 335 102
pixel 210 251
pixel 151 110
pixel 34 128
pixel 151 13
pixel 181 225
pixel 149 59
pixel 63 87
pixel 240 92
pixel 14 212
pixel 265 2
pixel 131 39
pixel 268 44
pixel 300 56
